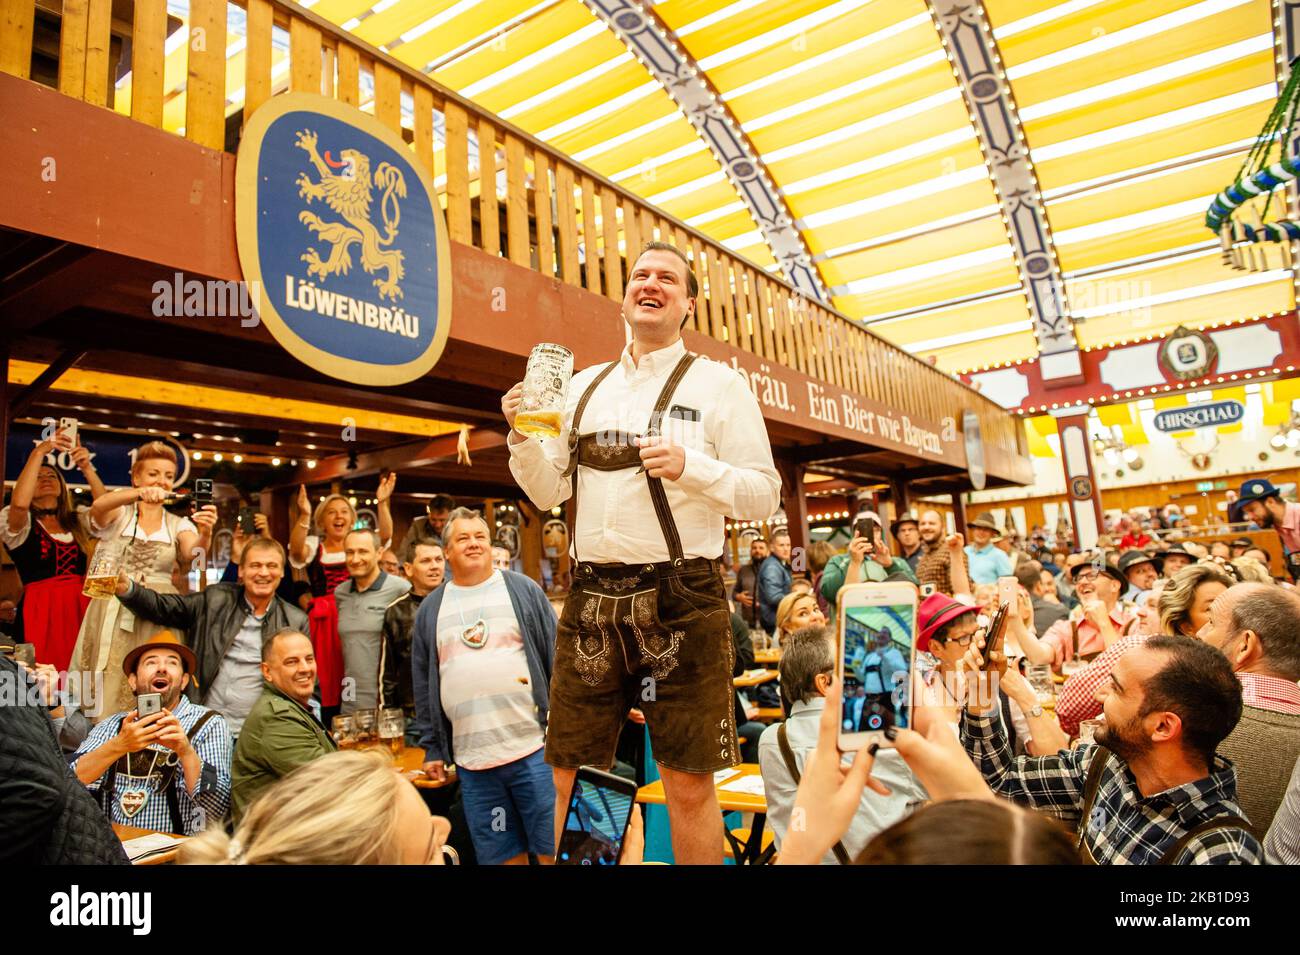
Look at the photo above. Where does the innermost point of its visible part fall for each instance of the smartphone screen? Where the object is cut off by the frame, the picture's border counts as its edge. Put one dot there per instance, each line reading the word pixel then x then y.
pixel 1007 590
pixel 877 660
pixel 599 809
pixel 146 704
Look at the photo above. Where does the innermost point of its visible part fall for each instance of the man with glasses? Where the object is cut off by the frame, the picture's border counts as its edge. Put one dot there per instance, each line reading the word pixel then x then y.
pixel 1098 621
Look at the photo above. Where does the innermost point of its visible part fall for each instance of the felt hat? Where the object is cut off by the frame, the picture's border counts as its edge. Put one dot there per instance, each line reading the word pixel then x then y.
pixel 1256 489
pixel 165 640
pixel 935 611
pixel 985 521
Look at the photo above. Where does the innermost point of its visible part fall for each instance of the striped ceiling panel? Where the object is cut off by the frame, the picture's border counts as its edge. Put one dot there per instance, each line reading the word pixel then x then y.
pixel 1135 113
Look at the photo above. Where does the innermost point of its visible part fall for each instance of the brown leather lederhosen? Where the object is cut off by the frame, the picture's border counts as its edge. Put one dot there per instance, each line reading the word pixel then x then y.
pixel 660 622
pixel 1092 783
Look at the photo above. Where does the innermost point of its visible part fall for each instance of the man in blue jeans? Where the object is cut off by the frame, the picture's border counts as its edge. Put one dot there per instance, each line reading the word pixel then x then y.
pixel 481 655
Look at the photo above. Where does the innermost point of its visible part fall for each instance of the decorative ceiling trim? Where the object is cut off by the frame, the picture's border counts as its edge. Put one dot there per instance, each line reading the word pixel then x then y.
pixel 967 37
pixel 675 69
pixel 1286 47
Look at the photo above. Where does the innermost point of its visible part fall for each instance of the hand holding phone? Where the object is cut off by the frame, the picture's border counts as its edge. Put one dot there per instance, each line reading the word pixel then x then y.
pixel 875 634
pixel 595 826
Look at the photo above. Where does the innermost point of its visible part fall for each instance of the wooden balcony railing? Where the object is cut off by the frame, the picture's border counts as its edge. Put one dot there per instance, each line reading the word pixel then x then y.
pixel 559 218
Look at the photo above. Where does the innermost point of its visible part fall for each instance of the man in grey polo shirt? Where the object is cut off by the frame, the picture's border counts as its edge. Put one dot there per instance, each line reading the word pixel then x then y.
pixel 362 601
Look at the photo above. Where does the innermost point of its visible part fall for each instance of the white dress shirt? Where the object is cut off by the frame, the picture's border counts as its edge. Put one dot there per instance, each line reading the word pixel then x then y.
pixel 728 472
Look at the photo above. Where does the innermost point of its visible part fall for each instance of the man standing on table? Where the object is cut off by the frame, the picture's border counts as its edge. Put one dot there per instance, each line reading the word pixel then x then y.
pixel 658 447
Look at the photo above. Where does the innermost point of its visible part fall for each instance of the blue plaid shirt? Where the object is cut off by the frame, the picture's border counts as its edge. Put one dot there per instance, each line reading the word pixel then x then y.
pixel 1124 827
pixel 197 810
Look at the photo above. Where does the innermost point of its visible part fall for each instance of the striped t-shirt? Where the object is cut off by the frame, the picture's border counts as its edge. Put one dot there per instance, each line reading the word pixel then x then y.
pixel 486 691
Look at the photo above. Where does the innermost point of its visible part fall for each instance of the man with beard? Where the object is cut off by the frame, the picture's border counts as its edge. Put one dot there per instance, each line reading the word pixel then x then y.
pixel 1259 501
pixel 1151 789
pixel 935 566
pixel 170 770
pixel 745 592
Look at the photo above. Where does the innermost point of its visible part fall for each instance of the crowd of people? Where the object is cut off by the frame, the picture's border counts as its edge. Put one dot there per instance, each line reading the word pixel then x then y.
pixel 222 714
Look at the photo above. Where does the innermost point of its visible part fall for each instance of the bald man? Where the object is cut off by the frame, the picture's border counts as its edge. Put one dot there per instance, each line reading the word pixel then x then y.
pixel 1257 627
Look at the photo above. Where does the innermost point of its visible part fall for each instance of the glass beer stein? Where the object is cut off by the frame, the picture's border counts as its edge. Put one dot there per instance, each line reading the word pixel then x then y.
pixel 546 386
pixel 102 570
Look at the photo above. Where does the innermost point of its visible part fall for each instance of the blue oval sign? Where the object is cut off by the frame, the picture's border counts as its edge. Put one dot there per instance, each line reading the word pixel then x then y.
pixel 342 241
pixel 1209 415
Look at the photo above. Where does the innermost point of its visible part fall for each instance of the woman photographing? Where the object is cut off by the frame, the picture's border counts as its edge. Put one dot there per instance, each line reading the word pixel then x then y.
pixel 153 543
pixel 48 542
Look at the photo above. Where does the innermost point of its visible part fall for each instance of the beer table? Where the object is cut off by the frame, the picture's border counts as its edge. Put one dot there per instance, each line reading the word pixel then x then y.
pixel 127 833
pixel 768 658
pixel 751 851
pixel 412 761
pixel 754 678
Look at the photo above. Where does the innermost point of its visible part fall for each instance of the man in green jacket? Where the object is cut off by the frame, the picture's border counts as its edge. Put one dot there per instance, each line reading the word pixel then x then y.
pixel 281 733
pixel 866 560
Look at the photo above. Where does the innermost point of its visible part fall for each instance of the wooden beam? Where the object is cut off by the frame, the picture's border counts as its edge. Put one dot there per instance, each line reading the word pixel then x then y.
pixel 405 456
pixel 20 402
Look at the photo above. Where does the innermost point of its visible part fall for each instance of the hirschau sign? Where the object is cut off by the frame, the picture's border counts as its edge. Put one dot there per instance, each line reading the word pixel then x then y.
pixel 1209 415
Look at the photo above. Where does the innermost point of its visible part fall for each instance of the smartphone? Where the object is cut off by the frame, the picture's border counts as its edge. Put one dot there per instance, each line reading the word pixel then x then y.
pixel 600 808
pixel 994 635
pixel 147 704
pixel 1007 590
pixel 69 427
pixel 246 522
pixel 876 654
pixel 202 492
pixel 25 653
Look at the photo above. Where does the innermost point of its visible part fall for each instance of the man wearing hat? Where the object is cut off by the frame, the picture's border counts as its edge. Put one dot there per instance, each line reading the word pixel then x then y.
pixel 1175 559
pixel 170 770
pixel 1141 572
pixel 987 562
pixel 906 532
pixel 1260 502
pixel 1098 621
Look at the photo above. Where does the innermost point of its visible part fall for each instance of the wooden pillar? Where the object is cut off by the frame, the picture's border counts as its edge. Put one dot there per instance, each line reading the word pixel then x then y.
pixel 6 393
pixel 530 540
pixel 1080 477
pixel 275 504
pixel 959 512
pixel 795 502
pixel 899 496
pixel 490 515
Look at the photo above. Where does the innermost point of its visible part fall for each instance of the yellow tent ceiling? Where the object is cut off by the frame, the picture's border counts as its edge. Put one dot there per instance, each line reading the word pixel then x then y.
pixel 1135 111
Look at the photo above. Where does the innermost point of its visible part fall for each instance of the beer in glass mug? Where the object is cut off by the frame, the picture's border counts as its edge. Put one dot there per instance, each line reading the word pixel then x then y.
pixel 102 570
pixel 546 386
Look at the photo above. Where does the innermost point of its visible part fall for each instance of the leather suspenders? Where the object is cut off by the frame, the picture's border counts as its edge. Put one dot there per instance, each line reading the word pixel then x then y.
pixel 603 453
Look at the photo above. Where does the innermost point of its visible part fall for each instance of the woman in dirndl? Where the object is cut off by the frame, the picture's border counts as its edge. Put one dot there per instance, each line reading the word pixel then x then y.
pixel 323 558
pixel 48 541
pixel 153 543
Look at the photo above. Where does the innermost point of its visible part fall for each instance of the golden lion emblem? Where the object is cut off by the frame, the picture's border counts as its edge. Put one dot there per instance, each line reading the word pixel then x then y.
pixel 347 188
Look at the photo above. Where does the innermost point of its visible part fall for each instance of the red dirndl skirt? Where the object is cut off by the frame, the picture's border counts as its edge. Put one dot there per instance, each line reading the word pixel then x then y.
pixel 323 620
pixel 52 610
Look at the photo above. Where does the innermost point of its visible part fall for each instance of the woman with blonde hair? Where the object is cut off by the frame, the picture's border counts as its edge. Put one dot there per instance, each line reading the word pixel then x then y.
pixel 153 543
pixel 346 808
pixel 1184 603
pixel 322 556
pixel 796 611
